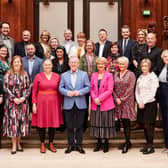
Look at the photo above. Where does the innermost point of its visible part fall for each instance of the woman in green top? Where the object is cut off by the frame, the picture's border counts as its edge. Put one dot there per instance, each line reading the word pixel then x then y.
pixel 4 67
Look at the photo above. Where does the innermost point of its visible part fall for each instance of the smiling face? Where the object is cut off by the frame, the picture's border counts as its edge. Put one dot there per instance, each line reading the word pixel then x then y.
pixel 122 65
pixel 114 49
pixel 47 66
pixel 141 36
pixel 125 32
pixel 101 66
pixel 3 52
pixel 26 36
pixel 165 58
pixel 54 43
pixel 30 50
pixel 60 53
pixel 68 35
pixel 102 36
pixel 17 64
pixel 44 37
pixel 5 29
pixel 89 47
pixel 151 40
pixel 145 68
pixel 74 63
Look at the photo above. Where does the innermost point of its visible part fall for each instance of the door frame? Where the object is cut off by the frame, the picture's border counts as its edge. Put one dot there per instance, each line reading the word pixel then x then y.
pixel 70 16
pixel 86 15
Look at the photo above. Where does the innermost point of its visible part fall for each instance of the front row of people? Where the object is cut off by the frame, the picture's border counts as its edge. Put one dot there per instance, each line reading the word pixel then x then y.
pixel 74 85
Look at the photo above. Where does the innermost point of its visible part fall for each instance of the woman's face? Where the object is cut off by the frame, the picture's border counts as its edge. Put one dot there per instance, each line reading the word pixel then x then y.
pixel 47 66
pixel 165 58
pixel 145 68
pixel 122 65
pixel 81 42
pixel 54 43
pixel 141 36
pixel 101 66
pixel 114 49
pixel 44 37
pixel 89 47
pixel 59 53
pixel 3 52
pixel 17 64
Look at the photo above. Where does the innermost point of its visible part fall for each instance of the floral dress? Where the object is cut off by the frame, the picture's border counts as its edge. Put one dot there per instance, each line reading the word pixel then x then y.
pixel 16 122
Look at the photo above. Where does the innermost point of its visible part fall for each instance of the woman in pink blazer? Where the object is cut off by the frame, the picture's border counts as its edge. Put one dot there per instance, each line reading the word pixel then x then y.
pixel 102 106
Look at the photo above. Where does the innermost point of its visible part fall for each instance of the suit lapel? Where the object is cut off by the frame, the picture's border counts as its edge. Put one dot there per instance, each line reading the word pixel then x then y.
pixel 102 81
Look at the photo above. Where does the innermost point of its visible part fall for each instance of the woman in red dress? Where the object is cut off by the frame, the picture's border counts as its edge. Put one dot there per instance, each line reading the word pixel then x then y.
pixel 46 105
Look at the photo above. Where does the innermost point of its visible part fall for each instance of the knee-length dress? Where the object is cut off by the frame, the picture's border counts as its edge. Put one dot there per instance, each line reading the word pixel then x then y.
pixel 47 98
pixel 16 117
pixel 124 90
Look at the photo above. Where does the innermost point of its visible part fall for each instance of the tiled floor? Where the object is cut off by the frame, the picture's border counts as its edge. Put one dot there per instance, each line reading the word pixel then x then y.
pixel 32 158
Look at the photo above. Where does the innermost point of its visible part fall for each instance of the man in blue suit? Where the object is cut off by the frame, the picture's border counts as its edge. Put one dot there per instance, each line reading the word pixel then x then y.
pixel 74 86
pixel 32 65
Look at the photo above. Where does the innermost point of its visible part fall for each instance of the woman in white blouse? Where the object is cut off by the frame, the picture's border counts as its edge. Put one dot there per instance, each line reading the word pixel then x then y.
pixel 145 92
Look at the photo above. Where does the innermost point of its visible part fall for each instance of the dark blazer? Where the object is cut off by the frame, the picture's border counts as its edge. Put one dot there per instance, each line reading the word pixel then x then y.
pixel 37 67
pixel 39 50
pixel 20 49
pixel 106 49
pixel 128 52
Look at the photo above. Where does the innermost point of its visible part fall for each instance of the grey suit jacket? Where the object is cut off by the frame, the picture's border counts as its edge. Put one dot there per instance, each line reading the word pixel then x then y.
pixel 36 67
pixel 82 85
pixel 72 43
pixel 12 41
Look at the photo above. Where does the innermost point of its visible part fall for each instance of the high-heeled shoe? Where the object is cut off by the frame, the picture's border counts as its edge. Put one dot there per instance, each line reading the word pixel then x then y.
pixel 98 146
pixel 125 148
pixel 105 146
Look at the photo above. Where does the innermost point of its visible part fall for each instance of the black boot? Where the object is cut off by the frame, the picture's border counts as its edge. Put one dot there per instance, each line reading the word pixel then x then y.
pixel 106 146
pixel 98 145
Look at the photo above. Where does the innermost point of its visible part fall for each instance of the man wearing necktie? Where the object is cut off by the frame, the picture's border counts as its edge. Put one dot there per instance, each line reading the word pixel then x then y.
pixel 126 45
pixel 74 85
pixel 6 39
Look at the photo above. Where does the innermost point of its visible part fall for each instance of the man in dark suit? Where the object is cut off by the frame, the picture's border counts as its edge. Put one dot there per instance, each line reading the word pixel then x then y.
pixel 126 45
pixel 6 39
pixel 103 46
pixel 20 48
pixel 32 65
pixel 74 86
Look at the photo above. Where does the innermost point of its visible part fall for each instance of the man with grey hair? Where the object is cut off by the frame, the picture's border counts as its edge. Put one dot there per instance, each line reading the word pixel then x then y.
pixel 68 43
pixel 20 47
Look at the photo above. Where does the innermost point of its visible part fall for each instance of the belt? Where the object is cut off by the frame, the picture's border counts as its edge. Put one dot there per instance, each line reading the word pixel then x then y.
pixel 48 92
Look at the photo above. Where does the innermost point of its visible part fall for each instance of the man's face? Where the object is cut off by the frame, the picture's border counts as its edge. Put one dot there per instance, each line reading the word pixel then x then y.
pixel 102 36
pixel 5 29
pixel 125 33
pixel 151 40
pixel 26 36
pixel 30 50
pixel 74 64
pixel 68 35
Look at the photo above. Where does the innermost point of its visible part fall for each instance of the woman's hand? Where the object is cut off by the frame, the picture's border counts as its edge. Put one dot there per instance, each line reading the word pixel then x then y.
pixel 118 101
pixel 22 99
pixel 17 101
pixel 135 63
pixel 34 108
pixel 141 105
pixel 97 101
pixel 1 99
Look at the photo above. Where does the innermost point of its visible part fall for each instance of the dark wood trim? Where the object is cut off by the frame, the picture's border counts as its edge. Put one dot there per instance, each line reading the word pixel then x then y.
pixel 70 16
pixel 86 15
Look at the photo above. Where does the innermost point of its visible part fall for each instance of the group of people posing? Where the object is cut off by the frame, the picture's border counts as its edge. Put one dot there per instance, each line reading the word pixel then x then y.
pixel 55 82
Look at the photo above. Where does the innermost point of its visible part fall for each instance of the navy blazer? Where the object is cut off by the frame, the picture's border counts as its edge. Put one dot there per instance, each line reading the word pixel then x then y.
pixel 20 49
pixel 82 85
pixel 128 51
pixel 37 67
pixel 106 50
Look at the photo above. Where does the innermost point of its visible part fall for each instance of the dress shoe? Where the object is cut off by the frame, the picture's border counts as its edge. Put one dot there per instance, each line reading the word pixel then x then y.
pixel 148 150
pixel 105 147
pixel 125 148
pixel 80 149
pixel 52 148
pixel 69 149
pixel 121 146
pixel 42 148
pixel 13 152
pixel 143 149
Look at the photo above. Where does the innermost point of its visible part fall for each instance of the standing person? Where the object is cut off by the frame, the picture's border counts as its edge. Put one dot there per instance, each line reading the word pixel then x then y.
pixel 153 52
pixel 102 124
pixel 42 45
pixel 112 64
pixel 32 65
pixel 79 50
pixel 126 45
pixel 163 82
pixel 139 50
pixel 68 43
pixel 145 92
pixel 6 39
pixel 4 67
pixel 17 90
pixel 74 86
pixel 124 82
pixel 46 105
pixel 20 47
pixel 103 46
pixel 53 44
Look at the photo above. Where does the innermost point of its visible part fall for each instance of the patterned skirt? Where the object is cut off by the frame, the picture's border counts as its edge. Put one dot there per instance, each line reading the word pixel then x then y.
pixel 102 124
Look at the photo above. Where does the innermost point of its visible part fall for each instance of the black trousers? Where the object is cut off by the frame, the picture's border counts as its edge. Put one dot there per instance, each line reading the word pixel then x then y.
pixel 51 133
pixel 74 122
pixel 1 119
pixel 164 109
